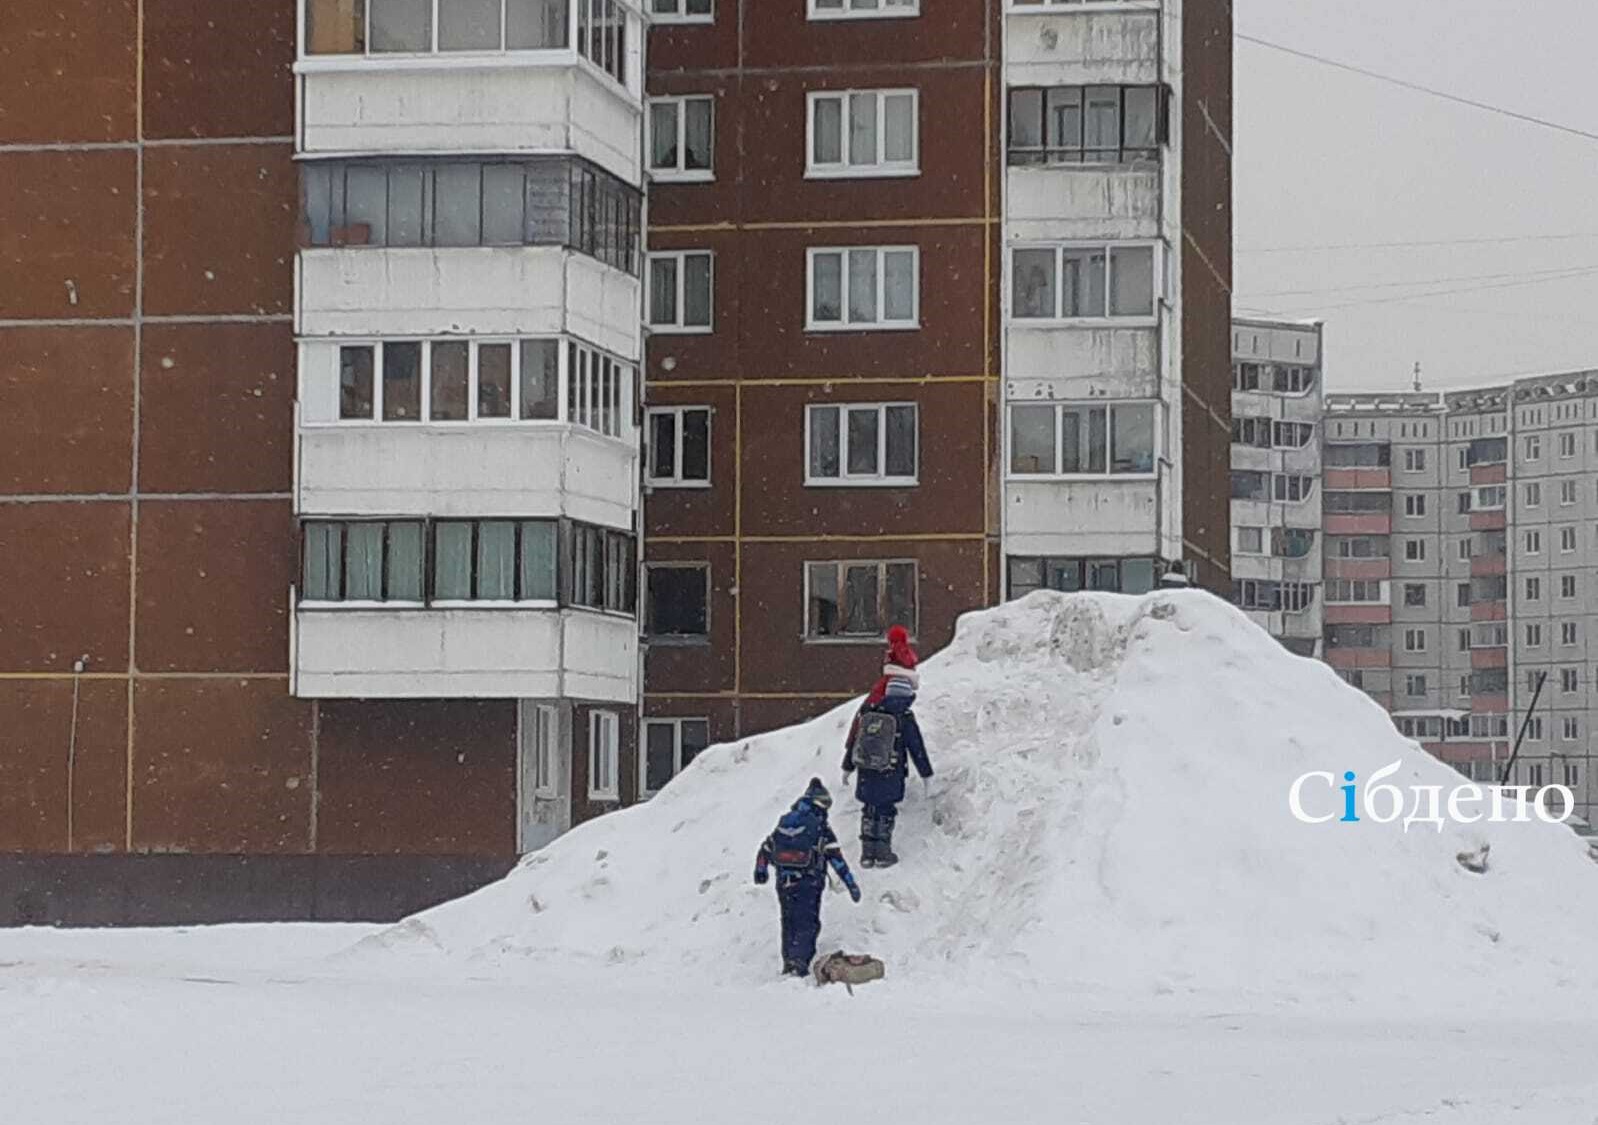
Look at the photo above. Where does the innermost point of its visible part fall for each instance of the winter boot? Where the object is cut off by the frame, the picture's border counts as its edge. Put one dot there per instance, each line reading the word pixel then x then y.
pixel 884 853
pixel 869 847
pixel 795 969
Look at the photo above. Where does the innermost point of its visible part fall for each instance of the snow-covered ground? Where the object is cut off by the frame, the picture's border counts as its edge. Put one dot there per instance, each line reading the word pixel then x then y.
pixel 1105 915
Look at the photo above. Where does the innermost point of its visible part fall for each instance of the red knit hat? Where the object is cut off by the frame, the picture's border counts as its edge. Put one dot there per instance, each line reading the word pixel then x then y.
pixel 899 650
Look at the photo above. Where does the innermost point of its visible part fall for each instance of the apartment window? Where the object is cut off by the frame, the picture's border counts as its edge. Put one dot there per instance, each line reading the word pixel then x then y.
pixel 1292 489
pixel 863 9
pixel 681 138
pixel 1292 435
pixel 1572 775
pixel 1414 685
pixel 1567 586
pixel 367 561
pixel 1361 547
pixel 1489 498
pixel 494 561
pixel 449 380
pixel 1414 460
pixel 1124 576
pixel 1567 681
pixel 1415 550
pixel 1255 432
pixel 682 11
pixel 1567 540
pixel 669 746
pixel 1079 439
pixel 1533 447
pixel 1355 591
pixel 1363 456
pixel 1567 492
pixel 1466 550
pixel 1351 636
pixel 679 446
pixel 1570 728
pixel 863 133
pixel 1414 506
pixel 1085 124
pixel 350 27
pixel 1289 379
pixel 1534 770
pixel 1464 688
pixel 1534 589
pixel 1357 502
pixel 1534 635
pixel 604 756
pixel 1534 495
pixel 869 443
pixel 1414 640
pixel 1462 594
pixel 680 285
pixel 558 201
pixel 1567 633
pixel 597 387
pixel 863 287
pixel 600 569
pixel 1251 541
pixel 1567 445
pixel 678 602
pixel 858 599
pixel 1464 646
pixel 1414 594
pixel 1290 597
pixel 1534 542
pixel 1246 377
pixel 1100 282
pixel 1464 462
pixel 540 726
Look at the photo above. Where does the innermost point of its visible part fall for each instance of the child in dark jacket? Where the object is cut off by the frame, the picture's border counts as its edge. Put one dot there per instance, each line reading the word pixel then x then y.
pixel 888 738
pixel 802 848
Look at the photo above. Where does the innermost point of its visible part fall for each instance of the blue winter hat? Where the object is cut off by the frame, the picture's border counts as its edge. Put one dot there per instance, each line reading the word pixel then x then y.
pixel 817 794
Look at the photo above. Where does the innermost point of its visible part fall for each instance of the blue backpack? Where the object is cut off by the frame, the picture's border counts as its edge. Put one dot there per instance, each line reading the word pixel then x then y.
pixel 796 842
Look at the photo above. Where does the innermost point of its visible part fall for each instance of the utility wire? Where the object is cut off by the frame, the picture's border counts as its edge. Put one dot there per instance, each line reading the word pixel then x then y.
pixel 1317 308
pixel 1549 273
pixel 1414 242
pixel 1488 107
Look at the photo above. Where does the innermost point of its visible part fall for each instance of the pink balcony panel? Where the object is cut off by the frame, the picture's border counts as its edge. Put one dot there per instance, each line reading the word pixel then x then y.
pixel 1489 658
pixel 1489 474
pixel 1359 658
pixel 1452 752
pixel 1361 523
pixel 1486 566
pixel 1489 704
pixel 1358 478
pixel 1369 569
pixel 1487 521
pixel 1382 699
pixel 1359 614
pixel 1487 611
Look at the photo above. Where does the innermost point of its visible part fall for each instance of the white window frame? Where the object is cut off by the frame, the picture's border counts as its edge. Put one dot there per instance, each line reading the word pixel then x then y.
pixel 677 327
pixel 543 742
pixel 885 10
pixel 1534 542
pixel 881 168
pixel 1109 406
pixel 1415 506
pixel 844 324
pixel 1532 448
pixel 604 738
pixel 846 479
pixel 1420 550
pixel 1569 635
pixel 842 565
pixel 1569 728
pixel 1567 493
pixel 1238 547
pixel 677 480
pixel 1567 581
pixel 679 174
pixel 474 352
pixel 644 792
pixel 1414 640
pixel 1534 494
pixel 1567 445
pixel 1414 460
pixel 681 15
pixel 1151 320
pixel 1567 540
pixel 1534 635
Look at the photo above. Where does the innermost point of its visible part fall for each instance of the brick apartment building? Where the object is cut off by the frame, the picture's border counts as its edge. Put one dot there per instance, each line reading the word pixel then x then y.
pixel 474 413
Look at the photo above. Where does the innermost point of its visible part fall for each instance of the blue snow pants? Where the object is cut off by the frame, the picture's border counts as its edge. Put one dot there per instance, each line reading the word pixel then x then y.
pixel 800 899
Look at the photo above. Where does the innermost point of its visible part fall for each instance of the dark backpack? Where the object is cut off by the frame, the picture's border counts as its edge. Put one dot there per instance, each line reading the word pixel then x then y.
pixel 796 842
pixel 876 743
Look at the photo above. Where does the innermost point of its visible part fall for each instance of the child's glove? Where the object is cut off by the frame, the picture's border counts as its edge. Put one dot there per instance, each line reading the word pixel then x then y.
pixel 760 877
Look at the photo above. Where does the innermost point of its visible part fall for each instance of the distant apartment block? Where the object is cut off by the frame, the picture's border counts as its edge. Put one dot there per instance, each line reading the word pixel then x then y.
pixel 1276 479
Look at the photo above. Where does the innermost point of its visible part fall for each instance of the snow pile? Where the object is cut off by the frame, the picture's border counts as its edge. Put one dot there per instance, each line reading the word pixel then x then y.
pixel 1110 817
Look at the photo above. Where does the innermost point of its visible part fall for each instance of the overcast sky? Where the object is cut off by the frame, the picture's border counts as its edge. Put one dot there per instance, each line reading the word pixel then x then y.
pixel 1327 157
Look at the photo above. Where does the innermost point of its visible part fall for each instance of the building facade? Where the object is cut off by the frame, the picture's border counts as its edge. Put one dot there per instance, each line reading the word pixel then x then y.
pixel 485 404
pixel 1461 540
pixel 1277 408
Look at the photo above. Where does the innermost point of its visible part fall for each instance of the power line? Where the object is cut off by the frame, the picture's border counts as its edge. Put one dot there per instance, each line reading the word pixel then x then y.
pixel 1318 308
pixel 1414 242
pixel 1418 88
pixel 1548 273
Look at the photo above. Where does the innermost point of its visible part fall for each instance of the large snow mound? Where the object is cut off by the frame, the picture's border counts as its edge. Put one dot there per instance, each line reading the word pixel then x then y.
pixel 1110 816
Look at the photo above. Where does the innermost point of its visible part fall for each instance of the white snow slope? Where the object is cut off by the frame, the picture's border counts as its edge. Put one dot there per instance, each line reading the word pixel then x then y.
pixel 1109 820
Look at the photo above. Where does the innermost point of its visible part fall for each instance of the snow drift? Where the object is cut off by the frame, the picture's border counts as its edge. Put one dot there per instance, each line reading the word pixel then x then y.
pixel 1110 817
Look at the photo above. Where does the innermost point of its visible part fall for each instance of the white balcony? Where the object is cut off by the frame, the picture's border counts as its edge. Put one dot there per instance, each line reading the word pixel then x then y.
pixel 489 653
pixel 532 470
pixel 545 101
pixel 488 291
pixel 1082 517
pixel 1054 361
pixel 1066 203
pixel 1055 46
